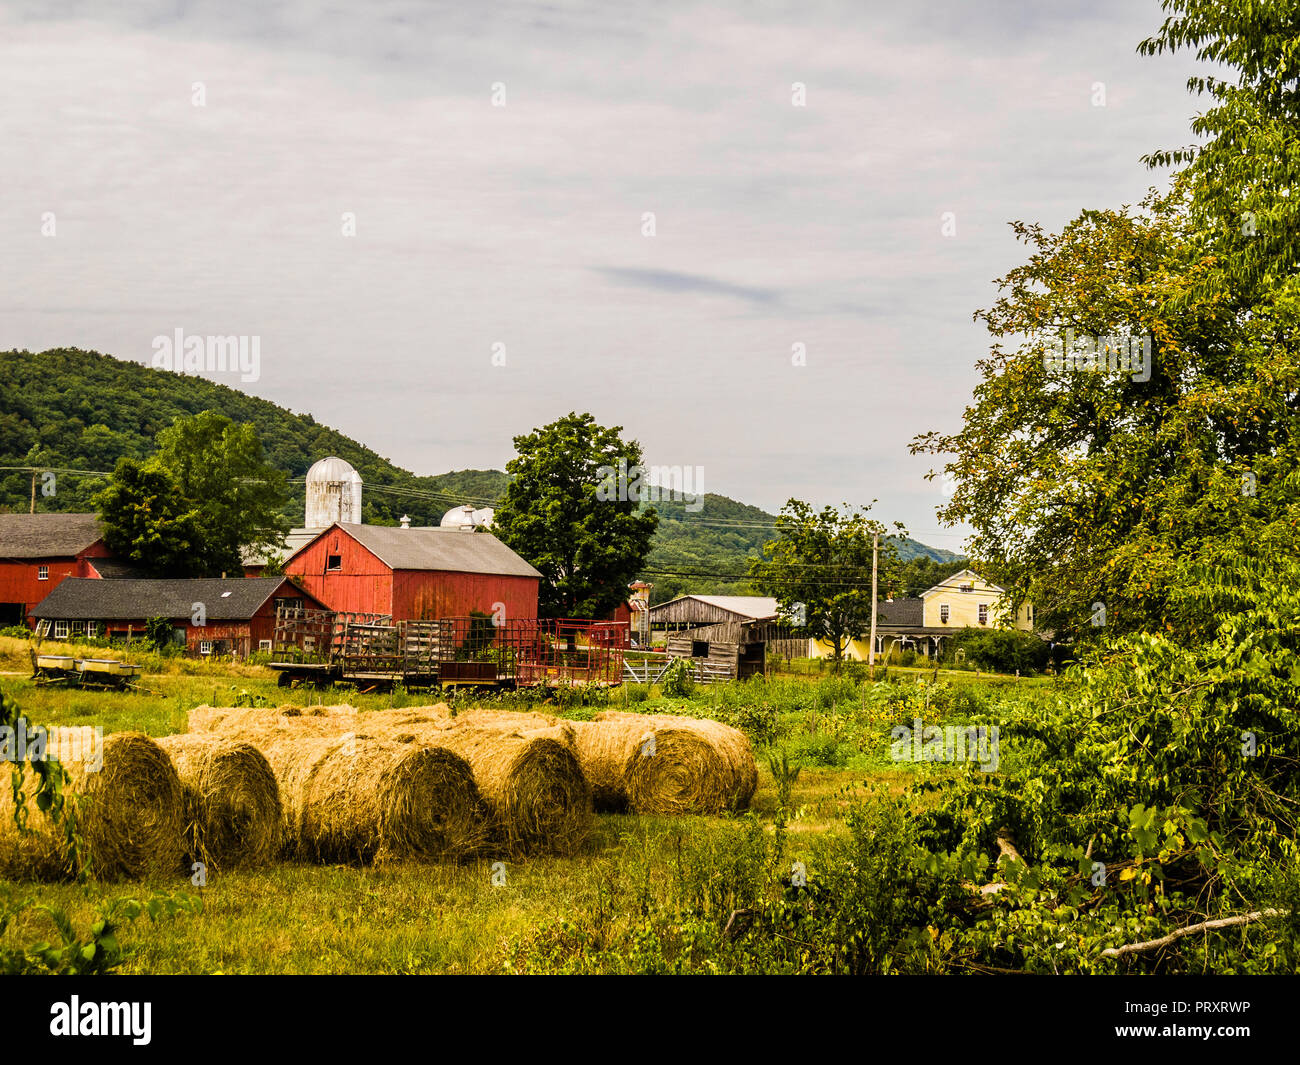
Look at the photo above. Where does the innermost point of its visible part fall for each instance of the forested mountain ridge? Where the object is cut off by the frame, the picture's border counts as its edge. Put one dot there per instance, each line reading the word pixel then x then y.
pixel 71 410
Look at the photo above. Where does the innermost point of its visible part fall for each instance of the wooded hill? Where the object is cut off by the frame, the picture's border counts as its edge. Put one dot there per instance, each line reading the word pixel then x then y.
pixel 74 410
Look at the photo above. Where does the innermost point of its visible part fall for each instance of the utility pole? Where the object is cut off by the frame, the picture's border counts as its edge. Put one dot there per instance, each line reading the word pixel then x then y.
pixel 32 508
pixel 871 650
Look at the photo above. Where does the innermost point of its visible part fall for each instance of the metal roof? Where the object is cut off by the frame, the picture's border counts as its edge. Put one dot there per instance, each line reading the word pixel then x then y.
pixel 450 550
pixel 47 535
pixel 747 606
pixel 231 599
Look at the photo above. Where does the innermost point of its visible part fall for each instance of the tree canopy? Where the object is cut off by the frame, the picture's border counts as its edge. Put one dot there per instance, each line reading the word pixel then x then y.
pixel 587 548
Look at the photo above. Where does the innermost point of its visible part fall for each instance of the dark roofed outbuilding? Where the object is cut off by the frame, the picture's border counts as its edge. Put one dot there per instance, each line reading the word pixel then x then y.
pixel 237 614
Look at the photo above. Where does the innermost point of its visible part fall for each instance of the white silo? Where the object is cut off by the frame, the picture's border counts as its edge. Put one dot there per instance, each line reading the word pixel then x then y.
pixel 333 493
pixel 467 517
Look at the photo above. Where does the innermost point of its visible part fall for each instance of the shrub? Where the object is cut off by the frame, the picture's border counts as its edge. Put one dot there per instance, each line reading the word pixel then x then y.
pixel 678 683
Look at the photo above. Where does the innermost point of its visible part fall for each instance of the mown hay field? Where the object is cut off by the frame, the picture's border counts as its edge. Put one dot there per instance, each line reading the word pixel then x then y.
pixel 583 911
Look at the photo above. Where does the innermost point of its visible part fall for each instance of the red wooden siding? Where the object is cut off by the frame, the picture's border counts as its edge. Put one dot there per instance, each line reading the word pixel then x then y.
pixel 20 581
pixel 439 594
pixel 364 583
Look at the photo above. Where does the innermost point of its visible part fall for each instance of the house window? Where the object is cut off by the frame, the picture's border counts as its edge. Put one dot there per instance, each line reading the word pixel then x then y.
pixel 984 613
pixel 968 587
pixel 78 628
pixel 60 630
pixel 333 563
pixel 699 648
pixel 943 613
pixel 42 573
pixel 263 645
pixel 205 647
pixel 92 628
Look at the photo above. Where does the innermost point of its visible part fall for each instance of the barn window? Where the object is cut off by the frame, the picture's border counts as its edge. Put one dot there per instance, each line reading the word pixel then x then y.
pixel 263 645
pixel 943 613
pixel 205 647
pixel 60 630
pixel 984 613
pixel 42 573
pixel 333 563
pixel 78 628
pixel 699 648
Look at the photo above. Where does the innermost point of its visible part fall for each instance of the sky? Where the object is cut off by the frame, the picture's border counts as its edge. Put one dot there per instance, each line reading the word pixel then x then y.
pixel 752 234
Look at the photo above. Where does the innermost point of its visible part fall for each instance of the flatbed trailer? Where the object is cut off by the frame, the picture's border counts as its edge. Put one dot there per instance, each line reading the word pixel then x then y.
pixel 324 647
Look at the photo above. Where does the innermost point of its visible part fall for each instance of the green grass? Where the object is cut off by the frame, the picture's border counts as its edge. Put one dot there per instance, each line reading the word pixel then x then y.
pixel 407 918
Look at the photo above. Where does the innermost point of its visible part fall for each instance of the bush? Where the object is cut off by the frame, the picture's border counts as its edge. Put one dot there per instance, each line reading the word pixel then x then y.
pixel 636 693
pixel 1004 650
pixel 678 683
pixel 17 632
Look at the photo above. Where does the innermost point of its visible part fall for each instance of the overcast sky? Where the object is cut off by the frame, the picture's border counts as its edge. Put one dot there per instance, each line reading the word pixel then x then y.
pixel 523 225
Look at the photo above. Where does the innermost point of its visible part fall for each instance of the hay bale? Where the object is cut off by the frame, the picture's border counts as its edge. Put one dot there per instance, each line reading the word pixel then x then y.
pixel 531 778
pixel 664 764
pixel 233 814
pixel 359 798
pixel 129 811
pixel 323 719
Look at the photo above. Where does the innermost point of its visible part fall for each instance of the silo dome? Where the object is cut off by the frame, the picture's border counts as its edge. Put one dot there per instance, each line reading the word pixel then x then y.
pixel 333 493
pixel 466 517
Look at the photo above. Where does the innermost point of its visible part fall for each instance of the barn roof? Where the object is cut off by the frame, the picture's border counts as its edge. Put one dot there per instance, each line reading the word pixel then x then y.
pixel 47 535
pixel 452 550
pixel 750 606
pixel 229 599
pixel 744 606
pixel 293 541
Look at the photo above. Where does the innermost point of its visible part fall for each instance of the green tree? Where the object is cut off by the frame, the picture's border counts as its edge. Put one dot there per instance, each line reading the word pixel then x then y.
pixel 146 521
pixel 220 465
pixel 819 569
pixel 190 509
pixel 587 545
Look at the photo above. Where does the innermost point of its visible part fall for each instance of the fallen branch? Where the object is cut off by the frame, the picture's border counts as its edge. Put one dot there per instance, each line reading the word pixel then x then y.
pixel 1191 929
pixel 748 912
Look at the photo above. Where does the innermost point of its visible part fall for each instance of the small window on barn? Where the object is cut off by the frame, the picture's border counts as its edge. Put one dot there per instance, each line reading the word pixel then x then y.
pixel 263 645
pixel 60 630
pixel 943 613
pixel 333 563
pixel 699 648
pixel 78 628
pixel 984 613
pixel 205 647
pixel 42 573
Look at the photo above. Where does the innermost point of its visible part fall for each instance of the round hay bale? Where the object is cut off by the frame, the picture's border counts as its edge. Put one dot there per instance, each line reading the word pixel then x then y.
pixel 325 719
pixel 663 764
pixel 531 778
pixel 128 804
pixel 358 798
pixel 232 803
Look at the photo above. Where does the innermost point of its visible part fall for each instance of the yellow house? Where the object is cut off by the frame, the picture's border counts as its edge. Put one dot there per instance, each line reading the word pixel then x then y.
pixel 923 622
pixel 965 599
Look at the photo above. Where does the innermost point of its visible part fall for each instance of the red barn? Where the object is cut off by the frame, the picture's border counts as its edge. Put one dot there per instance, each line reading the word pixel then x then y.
pixel 423 573
pixel 237 614
pixel 37 551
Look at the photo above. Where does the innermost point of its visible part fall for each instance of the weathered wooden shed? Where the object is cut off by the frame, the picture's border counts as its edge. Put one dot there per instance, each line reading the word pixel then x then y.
pixel 725 636
pixel 415 574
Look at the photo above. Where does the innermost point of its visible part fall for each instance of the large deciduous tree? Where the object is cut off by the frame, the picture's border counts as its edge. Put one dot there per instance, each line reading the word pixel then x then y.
pixel 819 569
pixel 192 507
pixel 587 545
